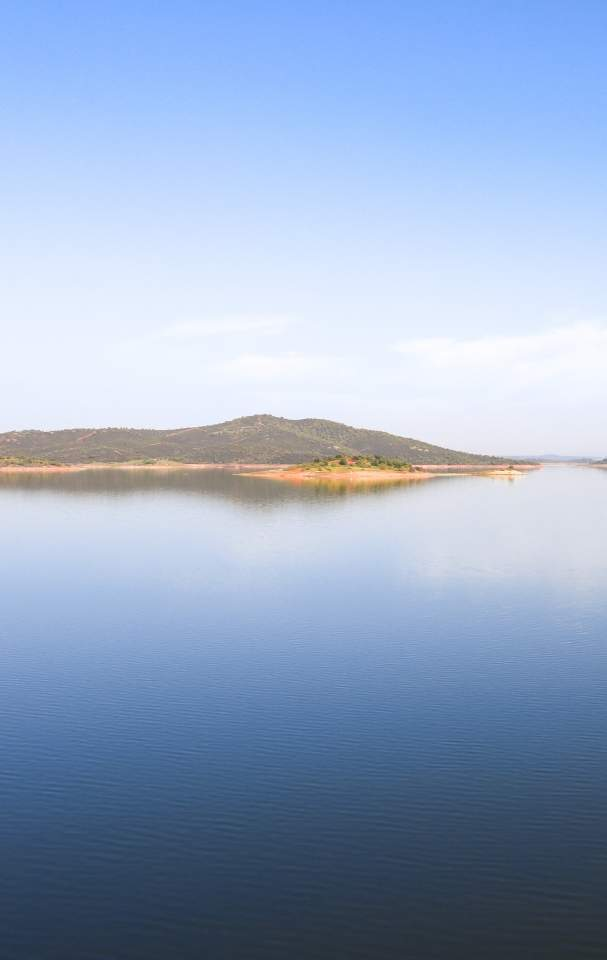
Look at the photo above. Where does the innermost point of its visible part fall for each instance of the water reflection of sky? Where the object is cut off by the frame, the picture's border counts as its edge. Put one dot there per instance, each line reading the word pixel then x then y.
pixel 192 530
pixel 223 694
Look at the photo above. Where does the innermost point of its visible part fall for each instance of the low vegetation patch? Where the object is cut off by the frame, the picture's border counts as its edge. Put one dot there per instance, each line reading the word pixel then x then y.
pixel 343 462
pixel 27 462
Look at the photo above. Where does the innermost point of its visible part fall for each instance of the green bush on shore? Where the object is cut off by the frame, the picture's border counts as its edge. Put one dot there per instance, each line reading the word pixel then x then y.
pixel 358 462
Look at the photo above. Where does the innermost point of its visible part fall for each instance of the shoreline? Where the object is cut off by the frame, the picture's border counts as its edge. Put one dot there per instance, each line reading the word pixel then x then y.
pixel 157 465
pixel 288 472
pixel 421 472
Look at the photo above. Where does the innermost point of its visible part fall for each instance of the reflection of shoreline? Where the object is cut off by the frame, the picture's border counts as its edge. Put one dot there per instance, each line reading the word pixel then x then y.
pixel 224 484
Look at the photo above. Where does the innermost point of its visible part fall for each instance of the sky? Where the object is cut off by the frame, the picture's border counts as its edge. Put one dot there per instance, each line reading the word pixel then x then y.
pixel 388 213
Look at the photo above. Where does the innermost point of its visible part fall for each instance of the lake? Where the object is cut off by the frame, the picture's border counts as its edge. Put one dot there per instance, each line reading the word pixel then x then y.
pixel 240 719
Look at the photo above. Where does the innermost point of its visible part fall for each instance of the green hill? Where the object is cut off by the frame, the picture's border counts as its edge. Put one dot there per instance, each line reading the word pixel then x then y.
pixel 257 439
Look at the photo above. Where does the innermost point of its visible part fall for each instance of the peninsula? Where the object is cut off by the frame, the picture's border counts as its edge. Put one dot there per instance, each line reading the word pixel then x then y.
pixel 376 469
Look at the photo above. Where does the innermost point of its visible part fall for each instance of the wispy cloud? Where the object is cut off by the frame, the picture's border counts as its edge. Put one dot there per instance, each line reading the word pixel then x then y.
pixel 185 344
pixel 286 366
pixel 224 327
pixel 576 352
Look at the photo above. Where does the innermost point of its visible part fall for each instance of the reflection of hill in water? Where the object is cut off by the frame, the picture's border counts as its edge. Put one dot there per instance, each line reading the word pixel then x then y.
pixel 253 491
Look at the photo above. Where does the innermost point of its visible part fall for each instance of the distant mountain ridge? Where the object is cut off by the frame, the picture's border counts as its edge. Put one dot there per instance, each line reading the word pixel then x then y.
pixel 553 458
pixel 261 438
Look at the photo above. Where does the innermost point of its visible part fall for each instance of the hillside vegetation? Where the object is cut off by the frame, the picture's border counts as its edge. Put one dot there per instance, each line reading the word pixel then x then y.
pixel 339 464
pixel 257 439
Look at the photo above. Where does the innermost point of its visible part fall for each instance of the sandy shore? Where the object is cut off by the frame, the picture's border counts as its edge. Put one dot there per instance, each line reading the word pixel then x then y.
pixel 291 475
pixel 298 475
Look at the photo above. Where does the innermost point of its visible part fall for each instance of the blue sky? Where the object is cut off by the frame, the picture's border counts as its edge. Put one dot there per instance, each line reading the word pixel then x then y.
pixel 388 213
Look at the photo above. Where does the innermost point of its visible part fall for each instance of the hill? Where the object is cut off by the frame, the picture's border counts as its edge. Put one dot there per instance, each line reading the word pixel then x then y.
pixel 257 439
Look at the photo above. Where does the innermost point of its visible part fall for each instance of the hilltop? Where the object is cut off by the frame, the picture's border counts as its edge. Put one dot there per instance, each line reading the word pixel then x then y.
pixel 257 439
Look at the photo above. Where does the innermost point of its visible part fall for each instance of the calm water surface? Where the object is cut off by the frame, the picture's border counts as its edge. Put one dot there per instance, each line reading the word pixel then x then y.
pixel 245 720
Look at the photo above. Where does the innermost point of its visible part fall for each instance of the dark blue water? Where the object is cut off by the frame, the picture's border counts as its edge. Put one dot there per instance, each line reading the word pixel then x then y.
pixel 245 720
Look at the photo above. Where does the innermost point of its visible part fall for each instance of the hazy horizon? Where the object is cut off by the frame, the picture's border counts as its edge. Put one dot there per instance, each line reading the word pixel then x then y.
pixel 389 215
